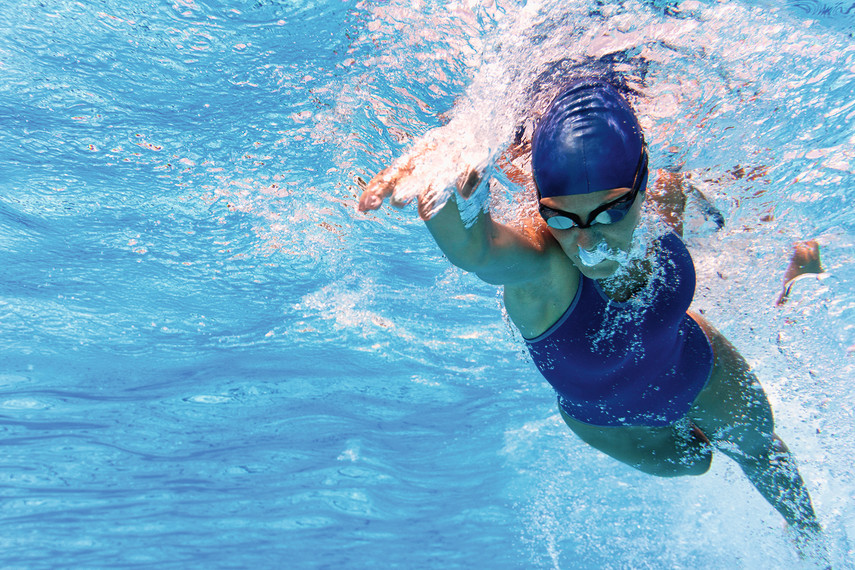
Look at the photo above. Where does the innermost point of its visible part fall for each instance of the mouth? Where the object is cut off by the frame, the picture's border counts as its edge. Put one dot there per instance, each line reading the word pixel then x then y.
pixel 591 258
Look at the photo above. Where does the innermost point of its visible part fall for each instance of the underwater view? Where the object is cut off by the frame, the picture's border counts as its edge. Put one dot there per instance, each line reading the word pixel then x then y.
pixel 210 358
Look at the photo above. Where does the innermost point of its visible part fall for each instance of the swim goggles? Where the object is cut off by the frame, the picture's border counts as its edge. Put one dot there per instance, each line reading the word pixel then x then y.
pixel 608 213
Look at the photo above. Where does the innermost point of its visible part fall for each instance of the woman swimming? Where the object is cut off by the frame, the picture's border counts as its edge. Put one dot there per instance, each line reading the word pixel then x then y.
pixel 603 305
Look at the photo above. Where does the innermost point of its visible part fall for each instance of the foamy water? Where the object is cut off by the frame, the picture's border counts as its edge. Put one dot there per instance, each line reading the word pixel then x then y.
pixel 210 358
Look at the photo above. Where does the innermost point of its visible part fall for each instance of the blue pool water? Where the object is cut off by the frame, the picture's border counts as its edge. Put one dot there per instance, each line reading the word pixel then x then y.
pixel 209 359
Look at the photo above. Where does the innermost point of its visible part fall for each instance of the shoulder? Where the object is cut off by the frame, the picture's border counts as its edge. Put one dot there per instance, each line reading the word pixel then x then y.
pixel 674 249
pixel 535 305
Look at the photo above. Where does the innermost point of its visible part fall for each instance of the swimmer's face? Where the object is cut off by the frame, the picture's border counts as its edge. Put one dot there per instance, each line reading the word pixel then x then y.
pixel 615 236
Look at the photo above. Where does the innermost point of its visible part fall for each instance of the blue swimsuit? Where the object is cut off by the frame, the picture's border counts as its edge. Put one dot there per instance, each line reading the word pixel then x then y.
pixel 640 362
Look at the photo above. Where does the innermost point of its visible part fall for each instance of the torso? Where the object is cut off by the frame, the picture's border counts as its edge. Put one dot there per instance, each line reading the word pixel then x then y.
pixel 535 306
pixel 627 354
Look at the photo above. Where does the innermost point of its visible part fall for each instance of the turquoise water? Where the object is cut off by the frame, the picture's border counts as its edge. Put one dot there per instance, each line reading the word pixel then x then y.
pixel 210 359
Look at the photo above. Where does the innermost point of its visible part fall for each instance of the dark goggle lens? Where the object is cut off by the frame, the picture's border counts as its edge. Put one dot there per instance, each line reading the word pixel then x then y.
pixel 613 215
pixel 560 222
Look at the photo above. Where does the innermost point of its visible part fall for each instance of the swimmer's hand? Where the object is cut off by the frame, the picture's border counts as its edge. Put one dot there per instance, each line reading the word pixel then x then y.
pixel 384 184
pixel 445 159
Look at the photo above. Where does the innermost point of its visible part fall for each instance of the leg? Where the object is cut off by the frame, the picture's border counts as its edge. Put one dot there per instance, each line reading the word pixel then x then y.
pixel 664 451
pixel 735 414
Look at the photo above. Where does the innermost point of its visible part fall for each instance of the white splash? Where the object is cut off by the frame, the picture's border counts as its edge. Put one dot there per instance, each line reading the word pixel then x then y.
pixel 642 237
pixel 601 253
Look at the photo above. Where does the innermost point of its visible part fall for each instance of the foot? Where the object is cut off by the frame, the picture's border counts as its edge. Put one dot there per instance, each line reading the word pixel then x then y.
pixel 803 263
pixel 810 545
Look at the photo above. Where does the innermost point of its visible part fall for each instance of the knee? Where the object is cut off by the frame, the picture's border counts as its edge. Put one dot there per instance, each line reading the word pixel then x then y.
pixel 750 446
pixel 767 454
pixel 700 466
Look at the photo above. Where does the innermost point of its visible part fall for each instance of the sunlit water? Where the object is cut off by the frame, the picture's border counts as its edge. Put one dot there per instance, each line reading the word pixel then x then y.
pixel 210 359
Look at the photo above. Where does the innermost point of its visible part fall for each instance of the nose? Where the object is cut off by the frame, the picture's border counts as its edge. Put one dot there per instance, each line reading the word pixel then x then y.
pixel 585 238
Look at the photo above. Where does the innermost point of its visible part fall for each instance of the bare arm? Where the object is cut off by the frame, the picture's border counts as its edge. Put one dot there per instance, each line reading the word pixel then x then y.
pixel 668 194
pixel 539 279
pixel 497 253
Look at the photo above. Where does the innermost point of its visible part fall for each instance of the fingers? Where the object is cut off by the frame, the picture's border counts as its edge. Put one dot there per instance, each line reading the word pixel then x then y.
pixel 383 186
pixel 426 204
pixel 369 201
pixel 396 200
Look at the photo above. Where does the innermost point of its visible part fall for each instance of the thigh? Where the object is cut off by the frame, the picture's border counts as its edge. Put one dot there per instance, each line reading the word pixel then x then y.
pixel 664 451
pixel 732 409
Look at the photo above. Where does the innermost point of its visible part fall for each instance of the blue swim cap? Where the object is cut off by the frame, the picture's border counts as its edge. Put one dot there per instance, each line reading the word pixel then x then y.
pixel 588 140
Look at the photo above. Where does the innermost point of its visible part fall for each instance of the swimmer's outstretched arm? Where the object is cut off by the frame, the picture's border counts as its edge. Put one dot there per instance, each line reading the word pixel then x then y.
pixel 669 196
pixel 495 252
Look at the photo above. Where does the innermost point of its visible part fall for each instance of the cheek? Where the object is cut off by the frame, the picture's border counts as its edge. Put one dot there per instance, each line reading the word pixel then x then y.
pixel 620 234
pixel 569 245
pixel 563 239
pixel 616 236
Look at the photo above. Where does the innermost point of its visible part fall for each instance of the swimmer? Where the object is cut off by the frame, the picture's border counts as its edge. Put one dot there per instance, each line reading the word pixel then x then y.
pixel 602 304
